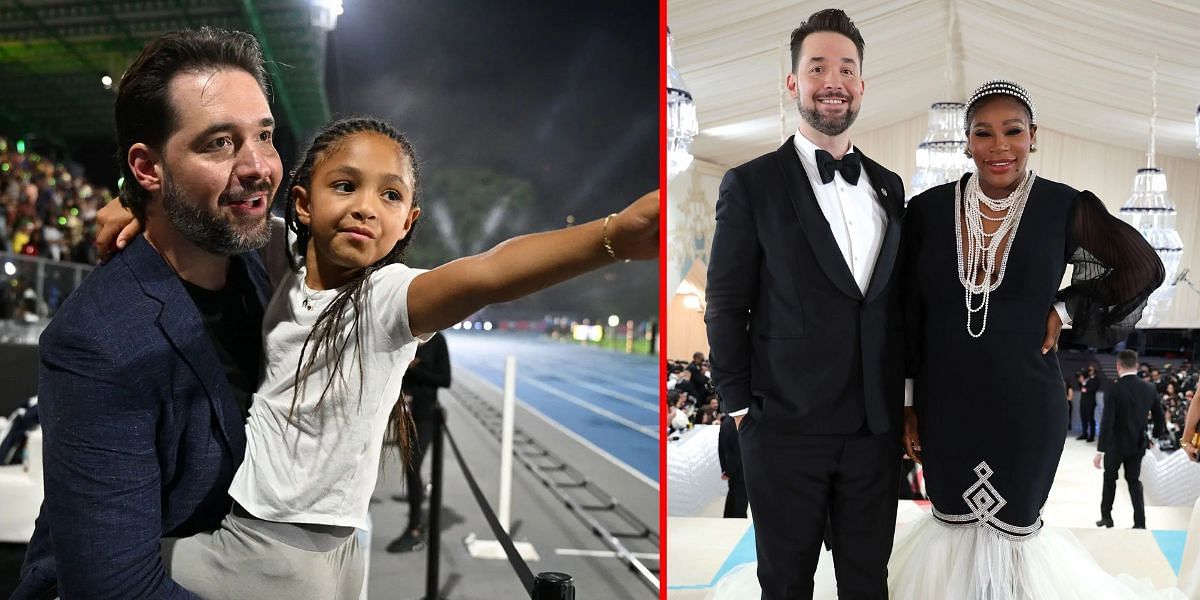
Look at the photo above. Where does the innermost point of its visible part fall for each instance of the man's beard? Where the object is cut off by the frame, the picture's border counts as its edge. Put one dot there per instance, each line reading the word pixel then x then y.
pixel 223 236
pixel 831 126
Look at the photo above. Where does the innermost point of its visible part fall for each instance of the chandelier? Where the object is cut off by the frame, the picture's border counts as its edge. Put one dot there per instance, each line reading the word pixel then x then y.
pixel 1152 213
pixel 681 117
pixel 940 157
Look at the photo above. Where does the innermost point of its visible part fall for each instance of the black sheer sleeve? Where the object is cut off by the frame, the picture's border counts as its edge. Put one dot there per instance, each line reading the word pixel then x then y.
pixel 1116 270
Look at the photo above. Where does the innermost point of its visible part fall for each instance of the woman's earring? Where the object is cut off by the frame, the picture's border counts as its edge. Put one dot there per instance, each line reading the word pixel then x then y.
pixel 1033 147
pixel 967 153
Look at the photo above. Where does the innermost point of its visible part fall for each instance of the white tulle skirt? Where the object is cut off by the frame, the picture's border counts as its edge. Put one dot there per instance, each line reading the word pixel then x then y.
pixel 931 561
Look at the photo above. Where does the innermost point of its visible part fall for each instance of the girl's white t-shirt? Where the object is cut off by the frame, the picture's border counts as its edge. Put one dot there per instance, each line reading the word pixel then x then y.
pixel 321 465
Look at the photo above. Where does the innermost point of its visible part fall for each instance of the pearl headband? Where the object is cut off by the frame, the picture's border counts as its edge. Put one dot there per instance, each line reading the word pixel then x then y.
pixel 1002 87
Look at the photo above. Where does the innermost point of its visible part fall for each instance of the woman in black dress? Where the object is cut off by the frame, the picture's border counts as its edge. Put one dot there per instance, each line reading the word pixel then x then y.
pixel 985 257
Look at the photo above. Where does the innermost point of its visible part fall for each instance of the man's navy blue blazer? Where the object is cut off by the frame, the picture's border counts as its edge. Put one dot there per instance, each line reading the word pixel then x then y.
pixel 141 431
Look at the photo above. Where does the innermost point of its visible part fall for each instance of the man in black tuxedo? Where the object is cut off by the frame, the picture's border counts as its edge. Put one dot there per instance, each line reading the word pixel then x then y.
pixel 730 456
pixel 1087 404
pixel 804 329
pixel 1123 436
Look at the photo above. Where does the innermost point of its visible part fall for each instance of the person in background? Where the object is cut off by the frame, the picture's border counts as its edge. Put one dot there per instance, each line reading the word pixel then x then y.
pixel 730 456
pixel 1123 437
pixel 426 373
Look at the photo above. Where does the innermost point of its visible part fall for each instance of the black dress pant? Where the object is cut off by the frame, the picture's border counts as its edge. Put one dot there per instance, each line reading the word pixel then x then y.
pixel 736 501
pixel 1133 472
pixel 1087 416
pixel 797 484
pixel 412 477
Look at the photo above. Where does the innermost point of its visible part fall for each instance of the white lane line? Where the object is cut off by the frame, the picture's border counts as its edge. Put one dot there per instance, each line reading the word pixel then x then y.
pixel 584 373
pixel 649 432
pixel 603 553
pixel 586 443
pixel 650 406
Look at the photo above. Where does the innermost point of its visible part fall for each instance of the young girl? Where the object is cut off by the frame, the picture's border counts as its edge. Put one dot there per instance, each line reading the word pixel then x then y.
pixel 340 331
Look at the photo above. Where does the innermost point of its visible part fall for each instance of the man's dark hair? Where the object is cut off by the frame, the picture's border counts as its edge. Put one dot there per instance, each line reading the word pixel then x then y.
pixel 833 20
pixel 1127 360
pixel 143 109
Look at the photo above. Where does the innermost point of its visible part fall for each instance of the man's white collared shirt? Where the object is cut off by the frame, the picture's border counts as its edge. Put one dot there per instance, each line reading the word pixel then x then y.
pixel 853 212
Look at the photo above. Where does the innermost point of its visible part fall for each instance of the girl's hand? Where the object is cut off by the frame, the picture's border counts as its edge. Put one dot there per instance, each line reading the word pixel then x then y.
pixel 634 232
pixel 116 226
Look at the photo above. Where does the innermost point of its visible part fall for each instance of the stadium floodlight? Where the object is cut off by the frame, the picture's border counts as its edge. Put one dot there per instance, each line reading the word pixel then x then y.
pixel 324 14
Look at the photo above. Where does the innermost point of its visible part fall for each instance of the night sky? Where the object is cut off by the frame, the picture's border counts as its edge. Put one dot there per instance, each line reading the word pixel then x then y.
pixel 561 94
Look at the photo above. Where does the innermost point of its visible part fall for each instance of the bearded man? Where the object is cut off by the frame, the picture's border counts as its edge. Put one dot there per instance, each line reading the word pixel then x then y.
pixel 804 326
pixel 147 369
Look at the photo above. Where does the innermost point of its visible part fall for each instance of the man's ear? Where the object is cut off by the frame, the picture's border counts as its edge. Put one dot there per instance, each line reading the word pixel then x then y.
pixel 146 165
pixel 792 83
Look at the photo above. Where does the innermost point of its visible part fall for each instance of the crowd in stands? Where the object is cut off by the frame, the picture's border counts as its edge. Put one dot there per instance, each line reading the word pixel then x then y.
pixel 691 397
pixel 48 210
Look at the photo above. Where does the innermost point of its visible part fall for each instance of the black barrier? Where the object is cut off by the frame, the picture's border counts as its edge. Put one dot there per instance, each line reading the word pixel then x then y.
pixel 546 586
pixel 433 556
pixel 553 586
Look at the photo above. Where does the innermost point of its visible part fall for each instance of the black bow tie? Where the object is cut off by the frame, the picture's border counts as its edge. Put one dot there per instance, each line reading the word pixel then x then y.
pixel 849 167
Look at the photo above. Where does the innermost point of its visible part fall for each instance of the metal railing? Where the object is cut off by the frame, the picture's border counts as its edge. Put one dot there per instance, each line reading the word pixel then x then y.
pixel 50 282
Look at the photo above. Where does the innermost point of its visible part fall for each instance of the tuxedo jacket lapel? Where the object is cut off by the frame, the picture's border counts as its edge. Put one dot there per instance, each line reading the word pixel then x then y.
pixel 892 202
pixel 813 221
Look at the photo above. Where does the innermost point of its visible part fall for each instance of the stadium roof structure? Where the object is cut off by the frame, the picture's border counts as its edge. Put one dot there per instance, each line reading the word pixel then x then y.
pixel 54 53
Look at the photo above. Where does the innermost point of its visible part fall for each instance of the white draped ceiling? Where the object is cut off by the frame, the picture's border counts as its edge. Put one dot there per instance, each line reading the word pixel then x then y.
pixel 1086 63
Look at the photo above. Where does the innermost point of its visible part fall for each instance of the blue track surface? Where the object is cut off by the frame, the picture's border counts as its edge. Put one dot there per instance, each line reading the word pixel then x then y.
pixel 608 398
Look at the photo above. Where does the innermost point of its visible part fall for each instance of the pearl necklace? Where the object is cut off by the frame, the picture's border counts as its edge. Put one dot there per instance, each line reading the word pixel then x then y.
pixel 980 257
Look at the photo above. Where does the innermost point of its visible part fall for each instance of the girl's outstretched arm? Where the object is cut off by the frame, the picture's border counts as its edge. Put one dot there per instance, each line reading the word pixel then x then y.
pixel 525 264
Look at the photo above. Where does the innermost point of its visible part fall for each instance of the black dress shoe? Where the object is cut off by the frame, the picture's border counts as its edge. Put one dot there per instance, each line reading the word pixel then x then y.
pixel 1139 526
pixel 1091 439
pixel 1105 522
pixel 1082 437
pixel 408 542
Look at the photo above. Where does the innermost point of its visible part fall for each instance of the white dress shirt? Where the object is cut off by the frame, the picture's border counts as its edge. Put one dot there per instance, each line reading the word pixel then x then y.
pixel 852 211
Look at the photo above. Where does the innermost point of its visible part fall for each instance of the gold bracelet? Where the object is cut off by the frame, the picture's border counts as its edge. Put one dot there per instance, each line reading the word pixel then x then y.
pixel 604 238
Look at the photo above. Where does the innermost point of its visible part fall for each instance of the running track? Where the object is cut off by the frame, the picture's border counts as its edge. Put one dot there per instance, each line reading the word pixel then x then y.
pixel 608 398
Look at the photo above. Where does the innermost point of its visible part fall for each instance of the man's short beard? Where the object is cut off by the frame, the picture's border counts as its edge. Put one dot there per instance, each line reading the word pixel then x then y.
pixel 210 232
pixel 832 126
